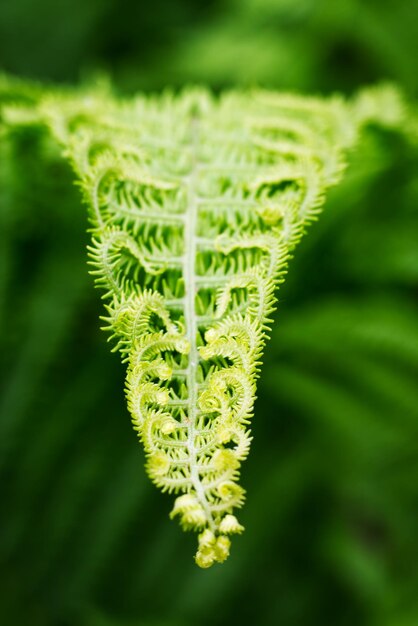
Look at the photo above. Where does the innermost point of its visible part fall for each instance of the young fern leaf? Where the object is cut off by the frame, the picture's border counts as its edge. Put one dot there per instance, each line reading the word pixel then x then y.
pixel 196 204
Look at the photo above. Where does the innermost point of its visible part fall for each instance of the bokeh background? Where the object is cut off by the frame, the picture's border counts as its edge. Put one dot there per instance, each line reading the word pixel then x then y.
pixel 332 478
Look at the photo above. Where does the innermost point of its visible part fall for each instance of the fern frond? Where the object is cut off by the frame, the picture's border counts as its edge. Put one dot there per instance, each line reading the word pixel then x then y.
pixel 196 204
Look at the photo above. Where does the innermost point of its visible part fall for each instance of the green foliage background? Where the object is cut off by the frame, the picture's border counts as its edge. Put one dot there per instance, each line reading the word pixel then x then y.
pixel 332 479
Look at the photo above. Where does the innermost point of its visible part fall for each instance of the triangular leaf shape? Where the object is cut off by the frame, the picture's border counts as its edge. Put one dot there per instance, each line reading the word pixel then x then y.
pixel 196 204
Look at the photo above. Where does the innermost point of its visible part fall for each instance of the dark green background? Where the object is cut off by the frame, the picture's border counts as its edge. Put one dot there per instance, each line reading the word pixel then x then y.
pixel 332 478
